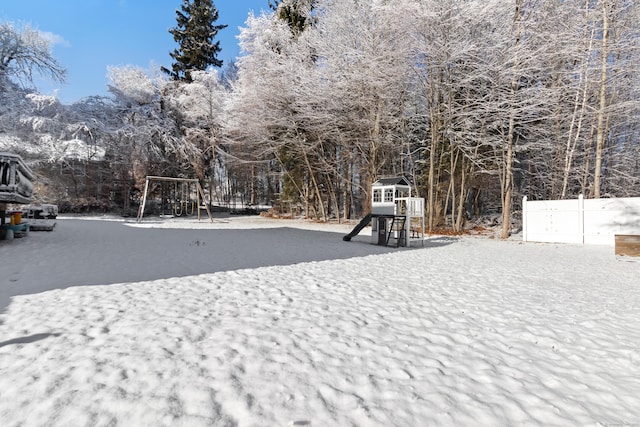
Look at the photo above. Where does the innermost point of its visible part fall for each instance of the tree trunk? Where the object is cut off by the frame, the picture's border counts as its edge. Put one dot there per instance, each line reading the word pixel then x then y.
pixel 576 128
pixel 431 185
pixel 316 189
pixel 507 182
pixel 346 192
pixel 459 223
pixel 601 128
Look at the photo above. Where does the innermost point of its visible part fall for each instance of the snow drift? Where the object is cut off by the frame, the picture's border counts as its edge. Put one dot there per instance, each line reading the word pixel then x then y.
pixel 467 331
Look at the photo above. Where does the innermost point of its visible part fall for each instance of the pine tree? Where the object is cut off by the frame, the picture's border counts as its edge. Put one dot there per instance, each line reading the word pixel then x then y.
pixel 296 13
pixel 195 33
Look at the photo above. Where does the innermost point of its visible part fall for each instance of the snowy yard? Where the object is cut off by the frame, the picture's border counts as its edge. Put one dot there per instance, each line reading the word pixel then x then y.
pixel 256 322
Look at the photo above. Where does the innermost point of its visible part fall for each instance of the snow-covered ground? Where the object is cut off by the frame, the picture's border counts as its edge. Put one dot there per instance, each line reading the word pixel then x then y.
pixel 257 322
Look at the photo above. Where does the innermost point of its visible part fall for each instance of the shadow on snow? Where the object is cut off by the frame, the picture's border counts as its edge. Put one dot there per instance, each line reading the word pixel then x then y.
pixel 87 252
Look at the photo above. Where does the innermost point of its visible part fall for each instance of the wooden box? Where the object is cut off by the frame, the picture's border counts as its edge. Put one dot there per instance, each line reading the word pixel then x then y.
pixel 628 244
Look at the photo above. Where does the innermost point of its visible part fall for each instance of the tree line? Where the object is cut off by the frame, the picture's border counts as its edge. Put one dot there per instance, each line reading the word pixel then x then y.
pixel 477 102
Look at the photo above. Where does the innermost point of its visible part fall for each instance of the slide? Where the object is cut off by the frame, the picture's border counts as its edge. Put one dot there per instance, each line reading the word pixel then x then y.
pixel 358 228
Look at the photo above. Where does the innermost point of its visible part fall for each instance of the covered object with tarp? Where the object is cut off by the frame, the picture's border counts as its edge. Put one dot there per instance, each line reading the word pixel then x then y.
pixel 16 179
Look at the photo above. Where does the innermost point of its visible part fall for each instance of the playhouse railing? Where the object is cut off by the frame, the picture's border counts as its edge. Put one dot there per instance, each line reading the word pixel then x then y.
pixel 411 206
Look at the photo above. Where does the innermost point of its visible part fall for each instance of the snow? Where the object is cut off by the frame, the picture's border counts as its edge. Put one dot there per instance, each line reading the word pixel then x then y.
pixel 253 322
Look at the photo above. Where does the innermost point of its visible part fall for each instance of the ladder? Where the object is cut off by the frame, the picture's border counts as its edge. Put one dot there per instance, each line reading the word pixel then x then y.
pixel 400 223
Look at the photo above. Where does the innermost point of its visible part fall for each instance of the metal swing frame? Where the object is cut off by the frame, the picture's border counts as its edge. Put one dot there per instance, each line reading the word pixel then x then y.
pixel 199 194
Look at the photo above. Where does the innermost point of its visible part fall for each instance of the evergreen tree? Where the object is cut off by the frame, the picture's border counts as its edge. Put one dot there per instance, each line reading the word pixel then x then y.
pixel 296 13
pixel 195 33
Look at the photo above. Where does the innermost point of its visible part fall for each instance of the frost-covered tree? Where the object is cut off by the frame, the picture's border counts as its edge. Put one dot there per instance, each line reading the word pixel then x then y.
pixel 302 178
pixel 198 108
pixel 618 47
pixel 259 109
pixel 146 141
pixel 449 89
pixel 325 102
pixel 195 34
pixel 25 51
pixel 363 67
pixel 481 102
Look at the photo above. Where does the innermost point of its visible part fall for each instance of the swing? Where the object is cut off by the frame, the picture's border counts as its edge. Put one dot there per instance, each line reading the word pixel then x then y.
pixel 177 205
pixel 188 202
pixel 183 205
pixel 163 198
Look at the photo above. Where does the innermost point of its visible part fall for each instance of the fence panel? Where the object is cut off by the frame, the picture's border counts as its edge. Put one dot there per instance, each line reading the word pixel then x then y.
pixel 604 218
pixel 552 221
pixel 590 221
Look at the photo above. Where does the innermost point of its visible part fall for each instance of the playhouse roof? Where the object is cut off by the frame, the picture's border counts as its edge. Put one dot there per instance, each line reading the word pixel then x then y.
pixel 398 180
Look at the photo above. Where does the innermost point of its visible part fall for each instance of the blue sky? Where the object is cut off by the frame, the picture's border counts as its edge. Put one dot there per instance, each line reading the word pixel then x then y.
pixel 90 35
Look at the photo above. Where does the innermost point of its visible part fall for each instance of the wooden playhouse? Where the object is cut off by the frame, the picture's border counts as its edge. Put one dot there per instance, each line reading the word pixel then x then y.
pixel 396 217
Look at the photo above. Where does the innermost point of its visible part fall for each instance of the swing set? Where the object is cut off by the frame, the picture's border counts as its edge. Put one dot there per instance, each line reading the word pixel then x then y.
pixel 180 198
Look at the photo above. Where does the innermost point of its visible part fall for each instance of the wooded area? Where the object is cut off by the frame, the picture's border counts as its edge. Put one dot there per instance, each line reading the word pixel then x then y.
pixel 477 102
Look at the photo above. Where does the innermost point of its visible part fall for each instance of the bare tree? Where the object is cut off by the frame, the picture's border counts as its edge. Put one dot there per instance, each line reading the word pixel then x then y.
pixel 25 51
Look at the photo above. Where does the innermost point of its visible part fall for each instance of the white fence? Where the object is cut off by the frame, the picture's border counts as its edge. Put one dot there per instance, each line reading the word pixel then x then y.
pixel 589 221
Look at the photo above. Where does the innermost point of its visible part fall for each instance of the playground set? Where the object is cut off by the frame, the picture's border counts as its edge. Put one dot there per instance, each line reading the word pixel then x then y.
pixel 396 218
pixel 180 196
